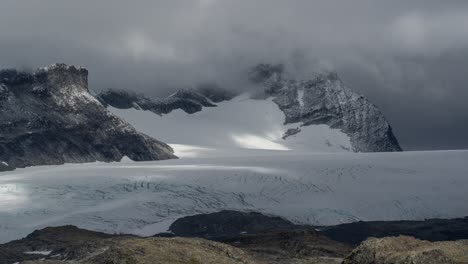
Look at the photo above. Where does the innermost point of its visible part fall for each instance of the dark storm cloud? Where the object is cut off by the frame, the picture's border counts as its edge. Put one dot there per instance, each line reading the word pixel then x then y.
pixel 409 57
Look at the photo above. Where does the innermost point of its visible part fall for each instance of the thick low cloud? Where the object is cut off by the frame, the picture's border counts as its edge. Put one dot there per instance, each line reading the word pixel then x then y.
pixel 409 57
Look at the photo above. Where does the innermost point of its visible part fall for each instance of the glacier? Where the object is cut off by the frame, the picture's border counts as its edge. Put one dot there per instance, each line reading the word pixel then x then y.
pixel 319 189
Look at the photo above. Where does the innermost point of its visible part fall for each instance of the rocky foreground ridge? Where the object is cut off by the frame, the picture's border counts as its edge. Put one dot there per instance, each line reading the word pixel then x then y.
pixel 49 117
pixel 69 244
pixel 242 237
pixel 324 99
pixel 408 250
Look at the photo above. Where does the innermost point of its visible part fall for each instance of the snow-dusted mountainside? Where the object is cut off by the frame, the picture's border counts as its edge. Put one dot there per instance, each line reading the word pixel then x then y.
pixel 239 123
pixel 324 99
pixel 320 114
pixel 49 117
pixel 145 197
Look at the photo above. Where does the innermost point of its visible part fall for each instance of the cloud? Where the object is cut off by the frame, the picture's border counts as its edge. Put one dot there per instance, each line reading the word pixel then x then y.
pixel 409 57
pixel 430 34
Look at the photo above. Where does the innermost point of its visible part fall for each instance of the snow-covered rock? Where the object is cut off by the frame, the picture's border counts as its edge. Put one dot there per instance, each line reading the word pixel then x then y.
pixel 324 99
pixel 49 117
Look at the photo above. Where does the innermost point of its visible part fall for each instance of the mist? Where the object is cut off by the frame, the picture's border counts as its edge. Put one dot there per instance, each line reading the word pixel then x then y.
pixel 408 57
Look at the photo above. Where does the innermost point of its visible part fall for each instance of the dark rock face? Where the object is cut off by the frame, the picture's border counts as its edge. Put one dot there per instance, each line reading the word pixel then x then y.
pixel 326 100
pixel 291 132
pixel 271 239
pixel 49 117
pixel 215 93
pixel 291 246
pixel 431 230
pixel 226 223
pixel 189 101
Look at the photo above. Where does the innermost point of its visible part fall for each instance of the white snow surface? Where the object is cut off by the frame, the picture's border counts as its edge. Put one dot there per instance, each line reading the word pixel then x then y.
pixel 145 197
pixel 238 123
pixel 322 185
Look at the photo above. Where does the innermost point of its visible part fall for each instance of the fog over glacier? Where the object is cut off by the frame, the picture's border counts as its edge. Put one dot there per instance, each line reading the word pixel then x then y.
pixel 409 57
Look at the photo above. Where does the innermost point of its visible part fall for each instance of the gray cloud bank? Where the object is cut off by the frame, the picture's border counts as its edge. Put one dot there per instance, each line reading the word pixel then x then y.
pixel 409 57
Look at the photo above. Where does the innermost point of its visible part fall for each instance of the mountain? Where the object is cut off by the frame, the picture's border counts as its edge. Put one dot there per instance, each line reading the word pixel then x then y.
pixel 189 101
pixel 49 117
pixel 324 99
pixel 280 112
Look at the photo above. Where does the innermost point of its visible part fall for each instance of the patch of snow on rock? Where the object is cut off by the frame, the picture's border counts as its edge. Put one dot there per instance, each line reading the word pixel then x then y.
pixel 45 253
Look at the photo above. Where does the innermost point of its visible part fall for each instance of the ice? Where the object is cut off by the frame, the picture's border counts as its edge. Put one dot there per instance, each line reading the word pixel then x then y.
pixel 313 188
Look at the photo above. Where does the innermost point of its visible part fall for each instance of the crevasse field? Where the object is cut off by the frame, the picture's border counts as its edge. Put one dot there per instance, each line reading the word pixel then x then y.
pixel 233 157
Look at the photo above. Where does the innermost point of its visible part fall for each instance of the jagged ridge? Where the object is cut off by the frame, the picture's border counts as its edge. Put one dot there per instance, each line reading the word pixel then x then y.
pixel 49 117
pixel 188 100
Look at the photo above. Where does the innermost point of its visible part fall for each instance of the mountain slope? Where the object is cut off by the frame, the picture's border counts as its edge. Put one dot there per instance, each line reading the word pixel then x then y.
pixel 49 117
pixel 324 99
pixel 241 122
pixel 279 112
pixel 189 101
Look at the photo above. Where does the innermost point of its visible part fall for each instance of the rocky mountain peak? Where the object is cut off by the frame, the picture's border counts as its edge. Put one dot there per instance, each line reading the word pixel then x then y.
pixel 54 76
pixel 62 75
pixel 49 117
pixel 325 99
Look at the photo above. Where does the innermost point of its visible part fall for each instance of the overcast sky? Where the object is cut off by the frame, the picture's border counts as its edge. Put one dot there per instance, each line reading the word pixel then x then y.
pixel 409 57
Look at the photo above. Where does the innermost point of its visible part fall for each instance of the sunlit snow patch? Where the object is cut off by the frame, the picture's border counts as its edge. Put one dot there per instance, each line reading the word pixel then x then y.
pixel 188 151
pixel 256 142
